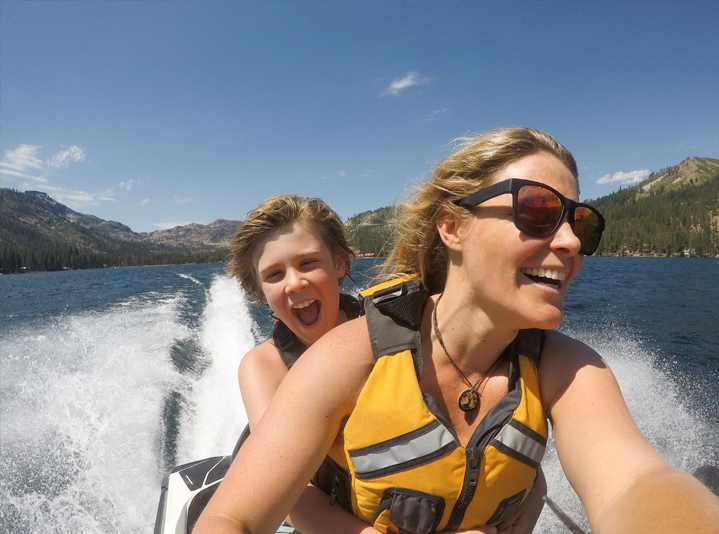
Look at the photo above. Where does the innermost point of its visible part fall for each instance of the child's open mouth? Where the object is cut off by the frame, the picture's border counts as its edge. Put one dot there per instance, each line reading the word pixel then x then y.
pixel 544 276
pixel 307 312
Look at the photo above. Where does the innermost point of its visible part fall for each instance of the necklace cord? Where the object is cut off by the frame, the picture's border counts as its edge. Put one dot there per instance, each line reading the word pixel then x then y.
pixel 469 399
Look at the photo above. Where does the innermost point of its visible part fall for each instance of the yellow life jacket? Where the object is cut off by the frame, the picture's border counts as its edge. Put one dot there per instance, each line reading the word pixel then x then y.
pixel 409 473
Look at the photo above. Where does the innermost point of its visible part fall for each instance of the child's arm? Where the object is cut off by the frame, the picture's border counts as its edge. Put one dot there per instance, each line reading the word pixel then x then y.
pixel 260 374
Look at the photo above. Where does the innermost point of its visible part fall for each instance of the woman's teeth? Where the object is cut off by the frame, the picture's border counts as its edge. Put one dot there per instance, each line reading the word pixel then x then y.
pixel 544 273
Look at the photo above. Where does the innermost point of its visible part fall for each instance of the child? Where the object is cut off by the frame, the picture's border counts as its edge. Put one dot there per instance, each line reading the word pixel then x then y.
pixel 291 254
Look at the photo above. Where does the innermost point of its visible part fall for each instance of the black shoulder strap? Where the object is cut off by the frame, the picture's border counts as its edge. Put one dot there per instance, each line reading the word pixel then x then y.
pixel 350 305
pixel 528 342
pixel 394 314
pixel 288 344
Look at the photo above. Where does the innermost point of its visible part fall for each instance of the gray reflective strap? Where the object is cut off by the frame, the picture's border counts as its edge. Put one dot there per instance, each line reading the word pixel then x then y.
pixel 412 449
pixel 524 442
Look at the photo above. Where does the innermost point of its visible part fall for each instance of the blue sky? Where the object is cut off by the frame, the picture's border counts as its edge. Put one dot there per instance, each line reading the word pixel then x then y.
pixel 162 113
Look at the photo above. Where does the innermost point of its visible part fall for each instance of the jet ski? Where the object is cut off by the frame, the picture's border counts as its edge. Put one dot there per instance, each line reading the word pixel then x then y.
pixel 187 489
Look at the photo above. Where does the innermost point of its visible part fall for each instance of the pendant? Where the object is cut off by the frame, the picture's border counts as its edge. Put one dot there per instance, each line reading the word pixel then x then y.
pixel 468 400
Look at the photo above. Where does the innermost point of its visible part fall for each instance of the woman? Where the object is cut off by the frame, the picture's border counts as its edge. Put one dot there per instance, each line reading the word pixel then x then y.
pixel 495 237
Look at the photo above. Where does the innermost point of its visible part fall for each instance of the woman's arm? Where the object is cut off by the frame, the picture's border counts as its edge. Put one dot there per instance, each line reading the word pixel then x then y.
pixel 293 436
pixel 260 374
pixel 624 484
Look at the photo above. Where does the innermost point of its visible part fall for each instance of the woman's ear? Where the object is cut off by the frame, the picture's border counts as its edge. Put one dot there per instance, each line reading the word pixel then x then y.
pixel 448 226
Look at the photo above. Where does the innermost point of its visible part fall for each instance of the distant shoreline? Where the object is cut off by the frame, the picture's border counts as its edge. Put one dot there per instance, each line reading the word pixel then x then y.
pixel 358 257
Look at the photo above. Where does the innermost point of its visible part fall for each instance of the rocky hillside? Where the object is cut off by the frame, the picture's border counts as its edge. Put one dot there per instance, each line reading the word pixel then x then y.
pixel 34 220
pixel 215 234
pixel 690 172
pixel 373 232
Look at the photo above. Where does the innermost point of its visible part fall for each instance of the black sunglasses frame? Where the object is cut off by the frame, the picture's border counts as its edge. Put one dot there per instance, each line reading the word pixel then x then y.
pixel 513 185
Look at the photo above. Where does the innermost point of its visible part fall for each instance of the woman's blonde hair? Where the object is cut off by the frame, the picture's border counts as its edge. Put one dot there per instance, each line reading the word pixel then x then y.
pixel 271 216
pixel 419 249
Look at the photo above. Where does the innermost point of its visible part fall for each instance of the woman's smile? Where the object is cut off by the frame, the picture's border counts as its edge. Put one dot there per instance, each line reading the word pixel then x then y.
pixel 544 276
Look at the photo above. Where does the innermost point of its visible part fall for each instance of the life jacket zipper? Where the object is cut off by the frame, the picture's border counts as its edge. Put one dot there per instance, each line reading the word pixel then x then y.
pixel 469 486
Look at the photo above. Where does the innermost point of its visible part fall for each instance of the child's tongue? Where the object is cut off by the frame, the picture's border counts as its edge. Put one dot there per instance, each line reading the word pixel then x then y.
pixel 309 314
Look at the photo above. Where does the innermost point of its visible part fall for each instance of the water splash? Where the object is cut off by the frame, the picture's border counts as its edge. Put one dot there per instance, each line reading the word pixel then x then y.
pixel 216 418
pixel 81 397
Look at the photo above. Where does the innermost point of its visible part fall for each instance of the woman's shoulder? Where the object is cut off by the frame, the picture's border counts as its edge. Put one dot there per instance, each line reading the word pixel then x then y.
pixel 559 347
pixel 344 349
pixel 566 362
pixel 351 337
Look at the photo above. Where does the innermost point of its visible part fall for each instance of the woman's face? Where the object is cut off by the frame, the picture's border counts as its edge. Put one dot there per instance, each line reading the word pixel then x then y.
pixel 501 260
pixel 299 278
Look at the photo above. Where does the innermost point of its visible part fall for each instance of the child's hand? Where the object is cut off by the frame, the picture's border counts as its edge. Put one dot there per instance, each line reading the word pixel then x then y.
pixel 524 519
pixel 479 530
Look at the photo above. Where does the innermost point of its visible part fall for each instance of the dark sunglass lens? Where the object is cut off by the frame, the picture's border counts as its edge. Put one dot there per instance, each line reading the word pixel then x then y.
pixel 587 229
pixel 538 210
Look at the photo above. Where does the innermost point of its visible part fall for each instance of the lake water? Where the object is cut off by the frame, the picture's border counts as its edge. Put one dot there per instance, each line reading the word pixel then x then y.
pixel 110 377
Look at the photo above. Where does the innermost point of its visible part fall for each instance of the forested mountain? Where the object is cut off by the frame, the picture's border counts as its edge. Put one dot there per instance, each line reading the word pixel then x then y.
pixel 372 232
pixel 40 234
pixel 675 212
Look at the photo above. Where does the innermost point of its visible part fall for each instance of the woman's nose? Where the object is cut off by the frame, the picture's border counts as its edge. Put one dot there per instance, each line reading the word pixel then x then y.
pixel 565 239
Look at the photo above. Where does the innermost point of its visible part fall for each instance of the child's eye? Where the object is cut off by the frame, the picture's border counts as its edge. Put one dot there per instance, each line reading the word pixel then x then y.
pixel 309 263
pixel 273 276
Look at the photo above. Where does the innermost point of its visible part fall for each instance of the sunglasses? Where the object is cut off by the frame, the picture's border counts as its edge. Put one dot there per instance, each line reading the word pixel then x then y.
pixel 538 210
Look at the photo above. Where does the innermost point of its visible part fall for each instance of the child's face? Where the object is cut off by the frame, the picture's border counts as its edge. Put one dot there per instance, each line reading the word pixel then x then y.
pixel 299 278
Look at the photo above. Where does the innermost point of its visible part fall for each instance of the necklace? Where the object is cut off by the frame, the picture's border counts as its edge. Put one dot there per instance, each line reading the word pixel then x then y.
pixel 468 400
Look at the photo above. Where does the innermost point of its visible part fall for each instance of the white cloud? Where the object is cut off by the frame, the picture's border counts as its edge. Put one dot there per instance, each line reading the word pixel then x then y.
pixel 144 201
pixel 129 184
pixel 436 114
pixel 80 197
pixel 632 177
pixel 63 158
pixel 180 200
pixel 75 200
pixel 21 163
pixel 26 163
pixel 400 84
